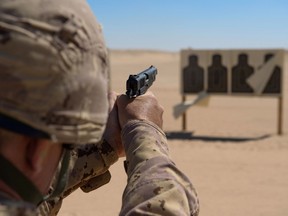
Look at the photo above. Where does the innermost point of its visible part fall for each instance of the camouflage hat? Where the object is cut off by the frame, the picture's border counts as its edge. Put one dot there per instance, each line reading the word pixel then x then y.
pixel 53 68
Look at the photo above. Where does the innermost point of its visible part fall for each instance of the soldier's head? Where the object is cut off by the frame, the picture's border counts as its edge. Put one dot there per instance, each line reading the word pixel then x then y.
pixel 53 83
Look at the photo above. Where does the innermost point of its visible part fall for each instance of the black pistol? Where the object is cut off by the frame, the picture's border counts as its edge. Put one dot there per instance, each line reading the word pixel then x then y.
pixel 138 84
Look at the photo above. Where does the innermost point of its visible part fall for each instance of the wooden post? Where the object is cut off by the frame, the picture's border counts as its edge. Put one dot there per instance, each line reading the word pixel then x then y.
pixel 184 124
pixel 280 115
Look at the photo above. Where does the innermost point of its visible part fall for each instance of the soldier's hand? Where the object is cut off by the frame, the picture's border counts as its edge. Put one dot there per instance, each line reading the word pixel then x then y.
pixel 144 107
pixel 112 132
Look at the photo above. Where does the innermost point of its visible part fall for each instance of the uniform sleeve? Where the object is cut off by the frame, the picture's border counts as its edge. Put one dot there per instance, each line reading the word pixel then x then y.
pixel 91 160
pixel 90 171
pixel 155 185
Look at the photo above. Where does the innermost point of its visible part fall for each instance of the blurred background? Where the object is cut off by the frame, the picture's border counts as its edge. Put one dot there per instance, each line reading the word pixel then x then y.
pixel 231 150
pixel 207 24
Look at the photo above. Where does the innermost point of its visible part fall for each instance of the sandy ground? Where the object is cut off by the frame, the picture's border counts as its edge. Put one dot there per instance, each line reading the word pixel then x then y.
pixel 230 151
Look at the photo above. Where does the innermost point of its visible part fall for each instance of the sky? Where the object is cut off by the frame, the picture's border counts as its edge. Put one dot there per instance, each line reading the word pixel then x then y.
pixel 172 25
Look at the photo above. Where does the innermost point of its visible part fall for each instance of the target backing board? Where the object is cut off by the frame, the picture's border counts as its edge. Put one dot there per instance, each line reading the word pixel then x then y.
pixel 237 72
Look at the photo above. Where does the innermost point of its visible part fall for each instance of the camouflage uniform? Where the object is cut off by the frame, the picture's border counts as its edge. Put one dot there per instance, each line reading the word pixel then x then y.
pixel 90 172
pixel 53 60
pixel 155 185
pixel 9 207
pixel 53 81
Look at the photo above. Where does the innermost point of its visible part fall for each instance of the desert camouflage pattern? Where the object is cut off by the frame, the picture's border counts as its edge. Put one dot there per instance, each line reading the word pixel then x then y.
pixel 90 172
pixel 53 68
pixel 53 77
pixel 13 210
pixel 155 185
pixel 9 207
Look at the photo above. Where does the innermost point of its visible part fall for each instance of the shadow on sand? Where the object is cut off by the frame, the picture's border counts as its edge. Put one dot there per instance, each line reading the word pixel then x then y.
pixel 183 135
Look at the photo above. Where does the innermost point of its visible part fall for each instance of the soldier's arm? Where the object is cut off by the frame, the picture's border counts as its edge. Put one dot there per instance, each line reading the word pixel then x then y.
pixel 155 185
pixel 91 160
pixel 90 172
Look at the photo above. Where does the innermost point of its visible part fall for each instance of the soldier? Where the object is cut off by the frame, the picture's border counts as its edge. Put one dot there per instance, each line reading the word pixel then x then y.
pixel 54 109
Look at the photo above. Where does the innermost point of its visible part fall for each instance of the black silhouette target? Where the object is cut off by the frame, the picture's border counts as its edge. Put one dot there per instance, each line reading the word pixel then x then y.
pixel 193 76
pixel 217 76
pixel 240 74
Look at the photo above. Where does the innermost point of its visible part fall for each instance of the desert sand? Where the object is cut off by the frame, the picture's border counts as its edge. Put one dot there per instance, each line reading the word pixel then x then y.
pixel 230 151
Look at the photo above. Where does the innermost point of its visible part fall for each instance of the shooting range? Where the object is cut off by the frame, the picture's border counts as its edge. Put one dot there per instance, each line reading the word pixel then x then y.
pixel 251 73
